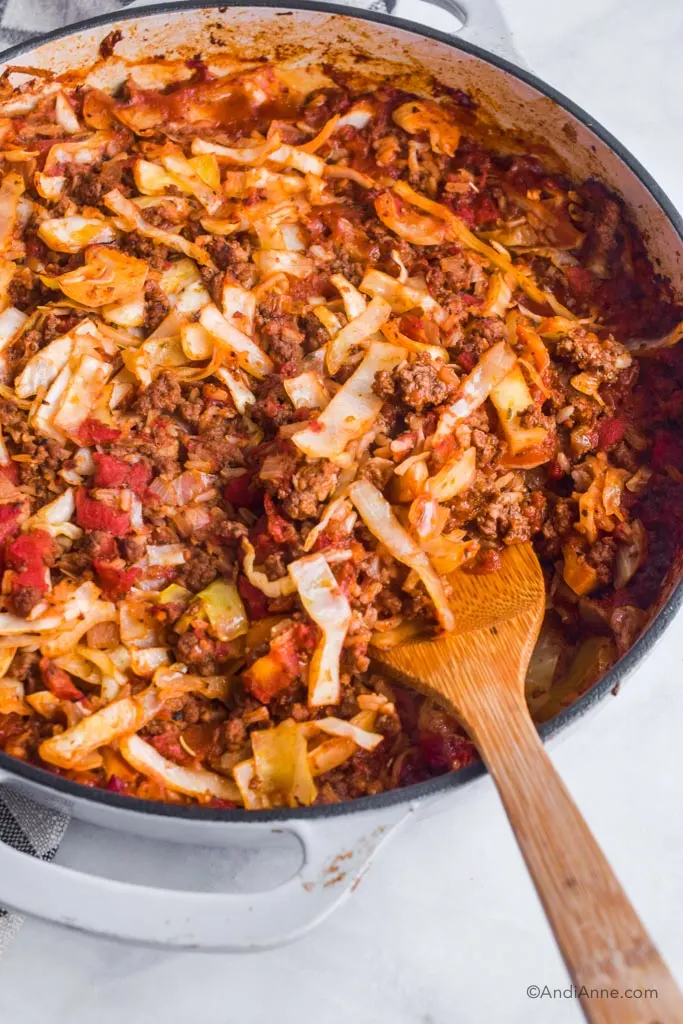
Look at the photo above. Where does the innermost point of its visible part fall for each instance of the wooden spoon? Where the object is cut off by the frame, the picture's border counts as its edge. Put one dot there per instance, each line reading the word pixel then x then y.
pixel 478 671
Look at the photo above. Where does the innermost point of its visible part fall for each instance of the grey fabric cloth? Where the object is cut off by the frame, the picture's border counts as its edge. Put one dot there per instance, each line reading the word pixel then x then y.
pixel 32 829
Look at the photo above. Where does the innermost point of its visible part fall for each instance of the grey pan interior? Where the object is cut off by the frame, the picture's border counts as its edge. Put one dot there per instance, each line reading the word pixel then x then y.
pixel 385 46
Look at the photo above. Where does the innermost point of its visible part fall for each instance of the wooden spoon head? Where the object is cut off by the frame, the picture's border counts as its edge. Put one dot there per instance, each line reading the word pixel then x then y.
pixel 498 617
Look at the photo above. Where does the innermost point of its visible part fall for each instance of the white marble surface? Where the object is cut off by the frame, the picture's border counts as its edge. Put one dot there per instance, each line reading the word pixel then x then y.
pixel 446 928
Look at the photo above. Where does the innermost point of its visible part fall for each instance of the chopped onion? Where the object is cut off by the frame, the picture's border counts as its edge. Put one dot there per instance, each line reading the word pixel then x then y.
pixel 330 610
pixel 377 515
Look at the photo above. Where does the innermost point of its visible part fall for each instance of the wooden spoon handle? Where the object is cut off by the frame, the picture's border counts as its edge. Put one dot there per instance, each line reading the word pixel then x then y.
pixel 602 940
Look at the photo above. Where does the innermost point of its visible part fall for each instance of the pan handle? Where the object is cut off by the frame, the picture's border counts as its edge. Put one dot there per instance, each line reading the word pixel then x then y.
pixel 336 853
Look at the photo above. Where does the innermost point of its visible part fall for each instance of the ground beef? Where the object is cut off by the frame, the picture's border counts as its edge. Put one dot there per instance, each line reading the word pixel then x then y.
pixel 311 486
pixel 281 337
pixel 155 254
pixel 200 570
pixel 600 250
pixel 213 279
pixel 199 651
pixel 156 306
pixel 234 256
pixel 273 407
pixel 26 599
pixel 216 448
pixel 90 186
pixel 417 385
pixel 601 556
pixel 163 394
pixel 604 357
pixel 511 517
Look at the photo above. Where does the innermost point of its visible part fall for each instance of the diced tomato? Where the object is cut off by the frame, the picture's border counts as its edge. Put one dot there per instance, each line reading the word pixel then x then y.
pixel 222 805
pixel 115 582
pixel 241 491
pixel 168 745
pixel 485 210
pixel 667 451
pixel 610 431
pixel 581 281
pixel 92 431
pixel 446 752
pixel 200 738
pixel 59 682
pixel 92 514
pixel 466 360
pixel 9 520
pixel 255 602
pixel 463 209
pixel 116 785
pixel 282 531
pixel 113 472
pixel 420 329
pixel 486 561
pixel 28 556
pixel 278 669
pixel 10 471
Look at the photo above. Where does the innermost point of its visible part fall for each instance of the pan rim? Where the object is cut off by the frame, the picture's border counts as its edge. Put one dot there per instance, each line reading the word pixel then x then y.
pixel 442 784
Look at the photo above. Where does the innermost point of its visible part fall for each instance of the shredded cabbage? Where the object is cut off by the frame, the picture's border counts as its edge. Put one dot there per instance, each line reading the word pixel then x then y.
pixel 352 410
pixel 377 515
pixel 492 368
pixel 196 782
pixel 249 356
pixel 71 234
pixel 271 588
pixel 330 610
pixel 358 331
pixel 281 764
